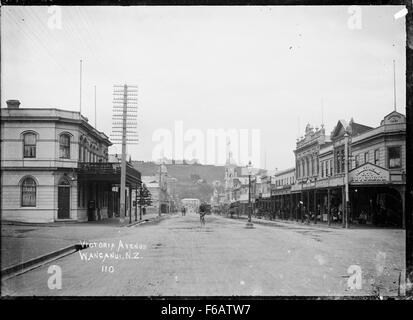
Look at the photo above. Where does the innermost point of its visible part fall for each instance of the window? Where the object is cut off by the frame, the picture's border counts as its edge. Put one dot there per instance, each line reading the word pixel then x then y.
pixel 376 156
pixel 339 161
pixel 64 146
pixel 80 153
pixel 308 167
pixel 357 160
pixel 326 165
pixel 394 155
pixel 366 157
pixel 28 193
pixel 311 166
pixel 331 167
pixel 29 145
pixel 322 169
pixel 84 153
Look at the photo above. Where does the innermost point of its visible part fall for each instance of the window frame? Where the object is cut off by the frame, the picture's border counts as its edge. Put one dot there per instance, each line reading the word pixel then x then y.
pixel 34 186
pixel 366 157
pixel 331 167
pixel 67 147
pixel 377 159
pixel 29 145
pixel 400 157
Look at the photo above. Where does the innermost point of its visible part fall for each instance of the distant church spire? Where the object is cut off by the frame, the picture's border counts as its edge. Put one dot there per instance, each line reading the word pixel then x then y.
pixel 229 155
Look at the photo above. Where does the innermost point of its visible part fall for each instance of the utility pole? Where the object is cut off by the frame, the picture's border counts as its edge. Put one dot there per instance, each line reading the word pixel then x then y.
pixel 136 203
pixel 80 98
pixel 140 201
pixel 124 131
pixel 394 84
pixel 160 189
pixel 95 107
pixel 123 161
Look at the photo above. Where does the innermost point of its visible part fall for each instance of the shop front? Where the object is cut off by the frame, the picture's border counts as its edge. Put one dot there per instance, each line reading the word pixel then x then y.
pixel 99 190
pixel 376 196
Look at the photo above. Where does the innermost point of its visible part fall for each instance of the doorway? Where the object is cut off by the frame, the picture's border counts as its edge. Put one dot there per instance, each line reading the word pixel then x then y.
pixel 63 200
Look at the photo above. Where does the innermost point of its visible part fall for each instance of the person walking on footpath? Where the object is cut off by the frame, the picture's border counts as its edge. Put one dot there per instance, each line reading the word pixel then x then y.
pixel 183 211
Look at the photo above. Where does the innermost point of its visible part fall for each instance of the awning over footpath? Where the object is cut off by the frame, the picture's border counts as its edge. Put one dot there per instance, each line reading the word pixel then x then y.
pixel 107 172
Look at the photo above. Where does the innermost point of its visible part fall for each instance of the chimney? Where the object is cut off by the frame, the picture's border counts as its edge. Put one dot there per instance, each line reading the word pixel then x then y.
pixel 13 104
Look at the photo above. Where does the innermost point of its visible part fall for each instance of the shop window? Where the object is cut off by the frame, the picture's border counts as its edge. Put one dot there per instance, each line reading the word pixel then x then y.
pixel 394 156
pixel 29 145
pixel 377 156
pixel 28 193
pixel 64 141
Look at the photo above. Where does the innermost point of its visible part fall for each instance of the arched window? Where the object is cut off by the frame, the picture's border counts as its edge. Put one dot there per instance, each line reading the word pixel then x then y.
pixel 29 145
pixel 64 141
pixel 28 192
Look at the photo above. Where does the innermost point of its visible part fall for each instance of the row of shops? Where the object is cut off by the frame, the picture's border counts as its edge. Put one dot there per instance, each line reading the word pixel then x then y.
pixel 355 176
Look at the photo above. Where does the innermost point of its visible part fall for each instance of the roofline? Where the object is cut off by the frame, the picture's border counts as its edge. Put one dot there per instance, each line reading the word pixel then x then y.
pixel 83 121
pixel 292 169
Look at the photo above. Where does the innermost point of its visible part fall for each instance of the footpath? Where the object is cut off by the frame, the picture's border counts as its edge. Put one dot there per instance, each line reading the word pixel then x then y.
pixel 36 242
pixel 299 224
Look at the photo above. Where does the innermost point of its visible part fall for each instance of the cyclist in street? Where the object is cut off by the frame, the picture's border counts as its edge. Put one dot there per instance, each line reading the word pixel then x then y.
pixel 202 213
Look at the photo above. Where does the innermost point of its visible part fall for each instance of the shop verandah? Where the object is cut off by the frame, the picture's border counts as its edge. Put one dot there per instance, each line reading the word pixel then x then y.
pixel 374 205
pixel 99 190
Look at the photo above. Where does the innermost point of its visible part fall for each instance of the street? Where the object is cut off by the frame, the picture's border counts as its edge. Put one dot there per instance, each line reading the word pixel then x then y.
pixel 176 257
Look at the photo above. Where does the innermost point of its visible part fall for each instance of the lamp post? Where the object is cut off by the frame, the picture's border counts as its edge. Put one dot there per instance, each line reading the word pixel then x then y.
pixel 249 223
pixel 346 179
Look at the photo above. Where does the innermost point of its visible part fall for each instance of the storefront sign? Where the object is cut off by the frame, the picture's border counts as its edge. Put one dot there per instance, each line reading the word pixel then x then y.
pixel 369 173
pixel 308 185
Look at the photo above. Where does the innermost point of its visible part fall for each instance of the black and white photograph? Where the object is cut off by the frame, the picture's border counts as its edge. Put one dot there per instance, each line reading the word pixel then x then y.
pixel 205 151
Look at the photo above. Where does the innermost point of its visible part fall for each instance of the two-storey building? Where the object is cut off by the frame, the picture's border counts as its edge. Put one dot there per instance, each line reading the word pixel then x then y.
pixel 54 167
pixel 281 195
pixel 370 175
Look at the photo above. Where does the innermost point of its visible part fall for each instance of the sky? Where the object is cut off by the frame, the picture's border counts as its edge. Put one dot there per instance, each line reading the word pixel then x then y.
pixel 267 68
